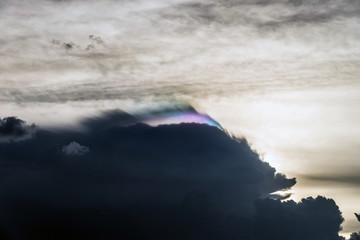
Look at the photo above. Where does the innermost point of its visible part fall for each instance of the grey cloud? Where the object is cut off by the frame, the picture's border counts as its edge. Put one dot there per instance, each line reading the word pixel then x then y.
pixel 312 16
pixel 284 218
pixel 75 148
pixel 98 40
pixel 186 48
pixel 279 13
pixel 350 178
pixel 90 47
pixel 280 196
pixel 95 41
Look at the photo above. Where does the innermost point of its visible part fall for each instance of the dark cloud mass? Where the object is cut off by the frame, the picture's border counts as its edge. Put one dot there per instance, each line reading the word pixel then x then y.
pixel 355 236
pixel 13 128
pixel 179 181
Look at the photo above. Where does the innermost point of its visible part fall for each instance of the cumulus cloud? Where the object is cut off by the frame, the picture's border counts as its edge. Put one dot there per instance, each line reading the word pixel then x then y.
pixel 14 129
pixel 175 181
pixel 75 148
pixel 312 218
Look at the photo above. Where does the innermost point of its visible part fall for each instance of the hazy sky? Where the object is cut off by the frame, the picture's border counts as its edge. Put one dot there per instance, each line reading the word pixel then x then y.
pixel 283 74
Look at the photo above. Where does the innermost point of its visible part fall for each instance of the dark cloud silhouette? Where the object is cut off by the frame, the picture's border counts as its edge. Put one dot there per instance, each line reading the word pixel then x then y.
pixel 13 128
pixel 179 181
pixel 357 216
pixel 355 236
pixel 311 218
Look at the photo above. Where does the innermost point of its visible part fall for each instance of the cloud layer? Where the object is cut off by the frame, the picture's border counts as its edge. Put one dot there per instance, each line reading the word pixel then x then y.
pixel 56 51
pixel 183 181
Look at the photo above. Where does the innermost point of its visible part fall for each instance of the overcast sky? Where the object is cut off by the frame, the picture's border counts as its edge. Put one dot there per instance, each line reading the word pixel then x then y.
pixel 283 74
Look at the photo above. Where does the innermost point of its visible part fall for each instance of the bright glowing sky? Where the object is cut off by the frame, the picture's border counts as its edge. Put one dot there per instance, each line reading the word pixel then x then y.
pixel 284 74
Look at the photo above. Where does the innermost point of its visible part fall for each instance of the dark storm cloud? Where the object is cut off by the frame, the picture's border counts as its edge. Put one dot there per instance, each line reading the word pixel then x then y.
pixel 13 128
pixel 277 196
pixel 355 236
pixel 185 181
pixel 311 218
pixel 357 216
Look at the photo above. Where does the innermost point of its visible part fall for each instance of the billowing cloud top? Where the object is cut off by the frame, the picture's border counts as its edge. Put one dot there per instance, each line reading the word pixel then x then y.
pixel 177 181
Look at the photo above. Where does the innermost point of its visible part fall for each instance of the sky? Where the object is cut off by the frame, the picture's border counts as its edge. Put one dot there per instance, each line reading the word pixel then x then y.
pixel 281 74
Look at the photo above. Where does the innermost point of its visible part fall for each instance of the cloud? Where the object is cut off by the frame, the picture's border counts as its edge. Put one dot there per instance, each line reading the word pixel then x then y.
pixel 181 47
pixel 277 13
pixel 355 236
pixel 95 42
pixel 96 39
pixel 357 217
pixel 15 129
pixel 177 181
pixel 349 177
pixel 75 148
pixel 312 218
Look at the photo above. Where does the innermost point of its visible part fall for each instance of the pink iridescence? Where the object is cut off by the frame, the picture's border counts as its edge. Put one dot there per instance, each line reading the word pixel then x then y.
pixel 182 117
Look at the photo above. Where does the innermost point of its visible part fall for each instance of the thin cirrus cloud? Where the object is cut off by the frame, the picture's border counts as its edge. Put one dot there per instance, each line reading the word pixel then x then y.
pixel 175 181
pixel 349 178
pixel 179 47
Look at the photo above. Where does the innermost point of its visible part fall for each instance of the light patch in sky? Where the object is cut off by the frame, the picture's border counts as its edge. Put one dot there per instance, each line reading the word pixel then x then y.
pixel 311 134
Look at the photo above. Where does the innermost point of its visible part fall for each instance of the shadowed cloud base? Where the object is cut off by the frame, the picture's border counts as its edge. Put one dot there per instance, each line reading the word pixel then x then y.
pixel 113 180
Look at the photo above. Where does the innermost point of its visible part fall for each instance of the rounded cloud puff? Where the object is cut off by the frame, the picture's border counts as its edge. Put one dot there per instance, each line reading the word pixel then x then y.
pixel 75 148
